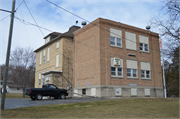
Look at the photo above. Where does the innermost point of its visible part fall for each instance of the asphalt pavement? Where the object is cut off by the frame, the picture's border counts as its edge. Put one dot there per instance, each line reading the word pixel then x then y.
pixel 17 103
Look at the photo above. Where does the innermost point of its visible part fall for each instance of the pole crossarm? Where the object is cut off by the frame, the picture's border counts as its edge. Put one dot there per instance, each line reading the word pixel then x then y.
pixel 6 10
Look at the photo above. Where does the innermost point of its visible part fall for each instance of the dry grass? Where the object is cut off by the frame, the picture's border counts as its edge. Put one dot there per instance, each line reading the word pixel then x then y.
pixel 15 95
pixel 117 108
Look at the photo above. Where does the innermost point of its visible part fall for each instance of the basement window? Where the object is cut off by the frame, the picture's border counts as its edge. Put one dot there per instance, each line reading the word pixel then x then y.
pixel 84 91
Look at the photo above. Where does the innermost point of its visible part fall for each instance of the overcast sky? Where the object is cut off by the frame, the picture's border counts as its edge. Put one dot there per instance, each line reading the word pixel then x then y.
pixel 132 12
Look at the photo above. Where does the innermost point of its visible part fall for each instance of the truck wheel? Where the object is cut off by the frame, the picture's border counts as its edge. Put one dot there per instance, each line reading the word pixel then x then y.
pixel 33 97
pixel 39 97
pixel 62 96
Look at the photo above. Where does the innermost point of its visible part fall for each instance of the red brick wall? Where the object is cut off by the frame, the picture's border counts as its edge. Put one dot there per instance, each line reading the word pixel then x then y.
pixel 87 56
pixel 93 54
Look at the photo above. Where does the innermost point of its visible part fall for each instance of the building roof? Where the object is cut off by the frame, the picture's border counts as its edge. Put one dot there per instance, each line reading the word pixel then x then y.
pixel 51 72
pixel 69 34
pixel 53 33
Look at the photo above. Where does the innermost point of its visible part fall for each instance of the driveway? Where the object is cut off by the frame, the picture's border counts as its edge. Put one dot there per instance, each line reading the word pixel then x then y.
pixel 17 103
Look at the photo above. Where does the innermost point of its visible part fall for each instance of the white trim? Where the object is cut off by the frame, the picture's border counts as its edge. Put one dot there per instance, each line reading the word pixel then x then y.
pixel 57 60
pixel 40 54
pixel 48 52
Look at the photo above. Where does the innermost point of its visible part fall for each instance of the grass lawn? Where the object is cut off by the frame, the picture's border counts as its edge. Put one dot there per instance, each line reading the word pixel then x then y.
pixel 14 95
pixel 117 108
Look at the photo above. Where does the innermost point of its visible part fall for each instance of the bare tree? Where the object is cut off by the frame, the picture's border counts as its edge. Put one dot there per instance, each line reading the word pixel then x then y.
pixel 168 24
pixel 22 61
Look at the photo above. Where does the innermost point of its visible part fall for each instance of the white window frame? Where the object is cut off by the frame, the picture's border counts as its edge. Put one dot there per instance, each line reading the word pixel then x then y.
pixel 145 75
pixel 40 54
pixel 57 45
pixel 57 60
pixel 132 73
pixel 48 52
pixel 115 41
pixel 143 47
pixel 116 68
pixel 39 78
pixel 116 72
pixel 44 56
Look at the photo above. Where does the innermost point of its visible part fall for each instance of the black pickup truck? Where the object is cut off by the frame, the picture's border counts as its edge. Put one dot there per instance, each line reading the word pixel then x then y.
pixel 46 90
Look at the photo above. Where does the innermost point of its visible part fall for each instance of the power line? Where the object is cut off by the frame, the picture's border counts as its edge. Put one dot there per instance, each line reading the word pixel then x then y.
pixel 5 17
pixel 95 24
pixel 28 23
pixel 32 16
pixel 25 26
pixel 19 5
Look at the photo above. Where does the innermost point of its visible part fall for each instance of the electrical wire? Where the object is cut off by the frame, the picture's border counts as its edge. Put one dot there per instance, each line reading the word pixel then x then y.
pixel 5 17
pixel 19 5
pixel 28 23
pixel 95 24
pixel 33 17
pixel 25 27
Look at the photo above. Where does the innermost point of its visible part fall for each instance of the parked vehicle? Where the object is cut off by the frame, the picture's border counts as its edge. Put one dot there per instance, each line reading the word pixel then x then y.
pixel 46 90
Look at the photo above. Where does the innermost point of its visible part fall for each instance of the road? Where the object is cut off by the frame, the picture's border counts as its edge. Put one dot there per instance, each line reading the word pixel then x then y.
pixel 17 103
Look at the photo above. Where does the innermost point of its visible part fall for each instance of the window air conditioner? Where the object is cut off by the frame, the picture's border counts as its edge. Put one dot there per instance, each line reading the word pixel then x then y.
pixel 117 62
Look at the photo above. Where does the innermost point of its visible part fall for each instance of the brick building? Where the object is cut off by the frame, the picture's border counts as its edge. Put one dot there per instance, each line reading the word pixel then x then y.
pixel 115 59
pixel 54 60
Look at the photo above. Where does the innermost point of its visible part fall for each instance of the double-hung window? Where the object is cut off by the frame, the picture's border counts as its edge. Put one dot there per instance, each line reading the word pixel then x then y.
pixel 57 45
pixel 115 37
pixel 40 54
pixel 130 40
pixel 143 43
pixel 57 60
pixel 131 69
pixel 48 51
pixel 145 70
pixel 44 56
pixel 39 78
pixel 43 79
pixel 116 71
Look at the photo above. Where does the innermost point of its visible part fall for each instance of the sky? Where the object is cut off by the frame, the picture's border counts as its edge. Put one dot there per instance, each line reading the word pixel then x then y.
pixel 132 12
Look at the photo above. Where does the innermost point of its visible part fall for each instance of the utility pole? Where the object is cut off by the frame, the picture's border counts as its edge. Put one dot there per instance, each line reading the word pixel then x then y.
pixel 7 56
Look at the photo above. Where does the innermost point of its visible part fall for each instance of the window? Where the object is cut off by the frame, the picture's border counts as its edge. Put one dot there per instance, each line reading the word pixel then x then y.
pixel 115 41
pixel 39 79
pixel 116 71
pixel 113 71
pixel 43 79
pixel 40 57
pixel 44 56
pixel 48 51
pixel 57 45
pixel 143 43
pixel 112 40
pixel 142 74
pixel 57 60
pixel 115 37
pixel 143 47
pixel 145 70
pixel 128 72
pixel 130 40
pixel 132 73
pixel 132 69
